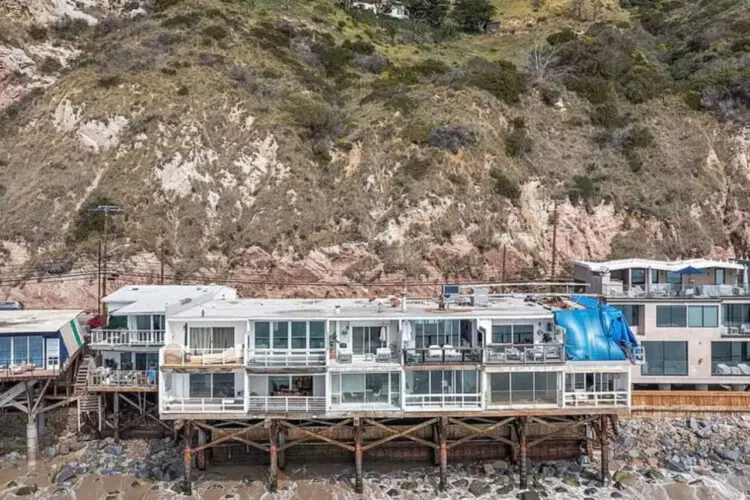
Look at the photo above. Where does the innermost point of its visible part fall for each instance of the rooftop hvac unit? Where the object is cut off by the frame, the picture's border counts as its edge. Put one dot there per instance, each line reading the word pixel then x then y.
pixel 451 293
pixel 480 297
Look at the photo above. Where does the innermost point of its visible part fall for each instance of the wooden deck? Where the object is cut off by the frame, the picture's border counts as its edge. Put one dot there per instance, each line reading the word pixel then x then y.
pixel 8 376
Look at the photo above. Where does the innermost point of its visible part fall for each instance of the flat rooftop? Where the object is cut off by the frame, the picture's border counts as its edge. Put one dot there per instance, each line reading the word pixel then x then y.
pixel 511 307
pixel 36 320
pixel 660 265
pixel 145 299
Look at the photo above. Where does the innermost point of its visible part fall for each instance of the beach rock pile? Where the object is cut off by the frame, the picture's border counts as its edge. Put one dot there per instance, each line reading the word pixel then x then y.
pixel 682 445
pixel 155 459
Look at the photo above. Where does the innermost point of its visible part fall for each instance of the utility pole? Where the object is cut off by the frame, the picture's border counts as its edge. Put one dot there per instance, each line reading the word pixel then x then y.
pixel 554 241
pixel 106 210
pixel 161 261
pixel 99 280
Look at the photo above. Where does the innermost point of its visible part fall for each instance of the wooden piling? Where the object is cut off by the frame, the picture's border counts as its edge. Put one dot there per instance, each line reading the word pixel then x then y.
pixel 358 482
pixel 604 444
pixel 443 453
pixel 282 450
pixel 116 409
pixel 523 483
pixel 187 459
pixel 273 453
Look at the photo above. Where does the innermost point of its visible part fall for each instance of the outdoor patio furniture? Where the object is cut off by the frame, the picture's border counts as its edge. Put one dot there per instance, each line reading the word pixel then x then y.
pixel 744 368
pixel 434 353
pixel 723 369
pixel 383 354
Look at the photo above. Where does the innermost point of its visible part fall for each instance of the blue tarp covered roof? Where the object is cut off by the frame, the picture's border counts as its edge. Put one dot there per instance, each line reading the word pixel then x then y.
pixel 599 332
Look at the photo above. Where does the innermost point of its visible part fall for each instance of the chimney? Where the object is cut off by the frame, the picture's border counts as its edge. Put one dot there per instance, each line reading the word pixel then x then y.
pixel 403 303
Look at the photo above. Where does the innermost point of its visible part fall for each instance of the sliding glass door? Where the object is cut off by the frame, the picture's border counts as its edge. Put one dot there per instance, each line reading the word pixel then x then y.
pixel 283 335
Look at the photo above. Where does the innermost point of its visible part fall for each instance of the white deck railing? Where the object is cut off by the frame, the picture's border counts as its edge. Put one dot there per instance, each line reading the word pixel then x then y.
pixel 285 404
pixel 202 405
pixel 285 357
pixel 187 357
pixel 596 399
pixel 124 337
pixel 122 378
pixel 470 401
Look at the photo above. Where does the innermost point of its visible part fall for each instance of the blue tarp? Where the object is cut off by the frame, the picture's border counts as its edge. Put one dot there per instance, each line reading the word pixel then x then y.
pixel 597 333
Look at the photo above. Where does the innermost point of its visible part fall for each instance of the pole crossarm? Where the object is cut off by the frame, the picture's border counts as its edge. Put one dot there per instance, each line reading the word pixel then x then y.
pixel 397 434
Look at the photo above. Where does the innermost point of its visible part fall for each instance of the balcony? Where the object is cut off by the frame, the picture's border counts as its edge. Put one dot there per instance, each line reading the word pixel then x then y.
pixel 285 358
pixel 532 354
pixel 202 405
pixel 730 369
pixel 592 399
pixel 286 404
pixel 452 401
pixel 735 330
pixel 446 355
pixel 103 338
pixel 105 379
pixel 188 357
pixel 674 290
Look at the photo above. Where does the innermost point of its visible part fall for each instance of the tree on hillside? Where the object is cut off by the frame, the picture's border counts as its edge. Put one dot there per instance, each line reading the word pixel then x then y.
pixel 473 15
pixel 433 12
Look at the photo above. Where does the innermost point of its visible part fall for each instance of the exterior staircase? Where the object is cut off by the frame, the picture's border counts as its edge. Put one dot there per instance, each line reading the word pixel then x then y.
pixel 87 403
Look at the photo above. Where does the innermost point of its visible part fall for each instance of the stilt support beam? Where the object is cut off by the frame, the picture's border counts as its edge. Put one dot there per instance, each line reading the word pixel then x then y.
pixel 604 443
pixel 188 458
pixel 202 453
pixel 522 431
pixel 282 450
pixel 443 434
pixel 358 482
pixel 273 453
pixel 116 410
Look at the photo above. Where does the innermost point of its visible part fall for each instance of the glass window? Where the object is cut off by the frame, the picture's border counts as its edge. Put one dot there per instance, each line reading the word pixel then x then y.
pixel 146 360
pixel 20 350
pixel 500 388
pixel 719 276
pixel 159 322
pixel 299 335
pixel 730 358
pixel 502 334
pixel 703 316
pixel 522 387
pixel 277 383
pixel 281 335
pixel 143 322
pixel 674 277
pixel 638 277
pixel 665 358
pixel 671 316
pixel 524 334
pixel 654 276
pixel 376 388
pixel 630 313
pixel 436 332
pixel 545 387
pixel 469 382
pixel 353 388
pixel 223 385
pixel 199 338
pixel 200 385
pixel 365 339
pixel 395 389
pixel 36 350
pixel 222 338
pixel 336 388
pixel 317 334
pixel 262 335
pixel 6 359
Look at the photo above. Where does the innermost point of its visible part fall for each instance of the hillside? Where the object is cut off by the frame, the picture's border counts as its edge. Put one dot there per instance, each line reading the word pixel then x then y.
pixel 295 141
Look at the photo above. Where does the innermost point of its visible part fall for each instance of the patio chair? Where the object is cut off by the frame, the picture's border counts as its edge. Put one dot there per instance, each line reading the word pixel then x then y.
pixel 512 353
pixel 745 328
pixel 722 369
pixel 744 368
pixel 535 353
pixel 451 353
pixel 434 353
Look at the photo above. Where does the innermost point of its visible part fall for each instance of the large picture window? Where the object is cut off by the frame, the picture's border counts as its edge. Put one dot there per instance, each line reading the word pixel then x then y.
pixel 363 388
pixel 671 316
pixel 512 334
pixel 703 316
pixel 730 358
pixel 283 335
pixel 436 332
pixel 212 385
pixel 630 313
pixel 207 338
pixel 523 388
pixel 665 358
pixel 735 315
pixel 442 382
pixel 365 339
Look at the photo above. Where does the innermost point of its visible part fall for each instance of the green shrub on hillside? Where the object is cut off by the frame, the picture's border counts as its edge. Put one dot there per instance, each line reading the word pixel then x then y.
pixel 499 78
pixel 216 32
pixel 563 36
pixel 608 116
pixel 505 186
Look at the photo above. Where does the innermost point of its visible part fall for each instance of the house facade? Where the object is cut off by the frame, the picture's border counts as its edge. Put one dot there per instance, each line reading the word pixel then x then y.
pixel 691 316
pixel 251 358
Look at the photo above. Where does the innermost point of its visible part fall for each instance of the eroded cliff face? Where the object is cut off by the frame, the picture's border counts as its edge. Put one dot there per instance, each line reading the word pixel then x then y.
pixel 215 157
